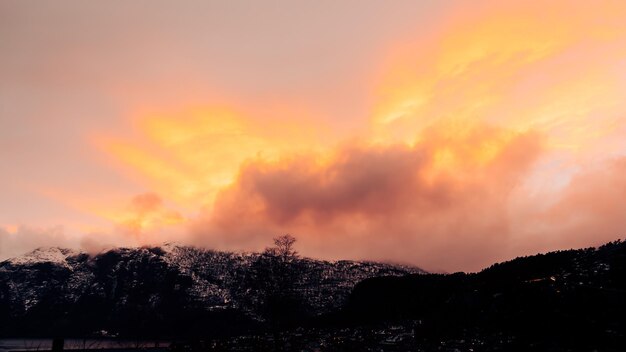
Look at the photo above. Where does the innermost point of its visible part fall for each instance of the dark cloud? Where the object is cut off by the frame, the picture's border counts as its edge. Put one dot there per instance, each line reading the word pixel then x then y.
pixel 440 203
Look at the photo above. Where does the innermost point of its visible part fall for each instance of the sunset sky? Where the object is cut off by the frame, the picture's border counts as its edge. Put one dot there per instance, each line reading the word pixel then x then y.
pixel 445 134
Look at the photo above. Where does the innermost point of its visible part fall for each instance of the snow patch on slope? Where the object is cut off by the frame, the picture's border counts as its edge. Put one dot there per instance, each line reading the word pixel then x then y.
pixel 45 255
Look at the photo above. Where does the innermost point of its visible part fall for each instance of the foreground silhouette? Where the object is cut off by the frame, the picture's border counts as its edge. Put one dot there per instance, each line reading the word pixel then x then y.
pixel 561 301
pixel 573 300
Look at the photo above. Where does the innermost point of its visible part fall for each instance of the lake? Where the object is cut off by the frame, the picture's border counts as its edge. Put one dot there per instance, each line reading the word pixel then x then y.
pixel 30 344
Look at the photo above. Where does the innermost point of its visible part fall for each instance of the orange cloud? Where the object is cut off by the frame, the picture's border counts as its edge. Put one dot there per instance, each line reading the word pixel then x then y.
pixel 472 151
pixel 521 65
pixel 146 211
pixel 393 201
pixel 191 155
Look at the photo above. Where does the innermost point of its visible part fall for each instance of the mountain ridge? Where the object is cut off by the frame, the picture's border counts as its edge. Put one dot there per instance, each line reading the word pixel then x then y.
pixel 52 284
pixel 565 300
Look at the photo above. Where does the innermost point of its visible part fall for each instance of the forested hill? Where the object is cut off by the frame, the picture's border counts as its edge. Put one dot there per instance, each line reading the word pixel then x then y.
pixel 169 290
pixel 564 300
pixel 561 301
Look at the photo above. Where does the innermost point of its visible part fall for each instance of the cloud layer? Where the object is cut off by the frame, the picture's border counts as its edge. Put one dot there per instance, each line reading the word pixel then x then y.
pixel 406 203
pixel 495 132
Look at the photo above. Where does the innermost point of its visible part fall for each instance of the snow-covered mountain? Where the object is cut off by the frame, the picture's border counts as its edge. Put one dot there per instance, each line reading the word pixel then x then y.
pixel 50 285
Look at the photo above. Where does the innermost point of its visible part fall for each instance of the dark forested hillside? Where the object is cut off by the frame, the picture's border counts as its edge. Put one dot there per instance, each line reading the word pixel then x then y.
pixel 565 300
pixel 170 291
pixel 573 300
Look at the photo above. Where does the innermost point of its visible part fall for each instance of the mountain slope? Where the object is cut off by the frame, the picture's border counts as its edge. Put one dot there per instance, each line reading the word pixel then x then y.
pixel 559 301
pixel 163 290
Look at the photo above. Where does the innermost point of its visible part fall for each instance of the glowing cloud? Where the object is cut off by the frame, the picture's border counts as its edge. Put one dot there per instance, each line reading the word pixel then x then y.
pixel 366 200
pixel 472 153
pixel 190 156
pixel 551 67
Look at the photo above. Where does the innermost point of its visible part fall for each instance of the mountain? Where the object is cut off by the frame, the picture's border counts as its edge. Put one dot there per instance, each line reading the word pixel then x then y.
pixel 572 300
pixel 170 290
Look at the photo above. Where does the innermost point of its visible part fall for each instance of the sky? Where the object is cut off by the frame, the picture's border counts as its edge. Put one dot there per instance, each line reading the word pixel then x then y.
pixel 444 134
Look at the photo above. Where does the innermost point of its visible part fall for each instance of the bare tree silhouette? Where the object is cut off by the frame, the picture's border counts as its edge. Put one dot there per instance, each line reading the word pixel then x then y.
pixel 283 247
